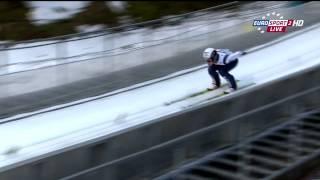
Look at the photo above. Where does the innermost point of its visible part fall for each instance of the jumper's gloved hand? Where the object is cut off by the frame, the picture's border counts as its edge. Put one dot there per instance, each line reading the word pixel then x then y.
pixel 244 53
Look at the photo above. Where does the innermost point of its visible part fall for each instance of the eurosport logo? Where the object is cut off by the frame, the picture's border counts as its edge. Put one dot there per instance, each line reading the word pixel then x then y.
pixel 274 22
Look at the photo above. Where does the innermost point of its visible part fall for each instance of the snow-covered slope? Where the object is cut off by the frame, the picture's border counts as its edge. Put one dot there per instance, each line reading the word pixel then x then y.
pixel 53 130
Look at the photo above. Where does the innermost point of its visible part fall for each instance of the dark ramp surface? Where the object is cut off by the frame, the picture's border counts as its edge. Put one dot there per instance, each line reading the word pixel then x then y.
pixel 73 91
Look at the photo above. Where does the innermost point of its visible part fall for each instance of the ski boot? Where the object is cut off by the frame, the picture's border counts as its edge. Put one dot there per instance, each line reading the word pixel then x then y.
pixel 214 86
pixel 230 90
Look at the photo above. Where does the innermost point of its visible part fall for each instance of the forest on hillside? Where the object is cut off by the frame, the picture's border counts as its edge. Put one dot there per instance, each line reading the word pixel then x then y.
pixel 15 24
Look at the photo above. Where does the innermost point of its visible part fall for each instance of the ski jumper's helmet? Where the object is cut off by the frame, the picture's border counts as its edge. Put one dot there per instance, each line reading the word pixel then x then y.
pixel 207 53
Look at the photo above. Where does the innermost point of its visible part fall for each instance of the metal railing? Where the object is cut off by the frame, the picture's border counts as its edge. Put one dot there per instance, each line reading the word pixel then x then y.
pixel 108 30
pixel 222 134
pixel 107 42
pixel 274 154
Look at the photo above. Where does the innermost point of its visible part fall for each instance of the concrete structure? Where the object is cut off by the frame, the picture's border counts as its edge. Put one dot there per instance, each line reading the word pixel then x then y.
pixel 33 90
pixel 167 142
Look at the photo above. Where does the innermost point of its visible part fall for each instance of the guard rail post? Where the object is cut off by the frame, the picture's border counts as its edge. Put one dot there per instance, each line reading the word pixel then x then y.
pixel 4 59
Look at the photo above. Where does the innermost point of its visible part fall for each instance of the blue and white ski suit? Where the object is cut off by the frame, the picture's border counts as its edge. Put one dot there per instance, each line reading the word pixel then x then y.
pixel 224 61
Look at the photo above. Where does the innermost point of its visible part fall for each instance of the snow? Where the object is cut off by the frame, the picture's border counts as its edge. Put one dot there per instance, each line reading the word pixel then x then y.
pixel 117 6
pixel 47 11
pixel 57 129
pixel 89 28
pixel 30 56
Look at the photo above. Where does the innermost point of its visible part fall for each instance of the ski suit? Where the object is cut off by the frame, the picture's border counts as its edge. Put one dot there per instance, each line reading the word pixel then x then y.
pixel 224 61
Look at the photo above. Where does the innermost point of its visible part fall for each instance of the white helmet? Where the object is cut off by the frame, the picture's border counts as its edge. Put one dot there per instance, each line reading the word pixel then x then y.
pixel 207 53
